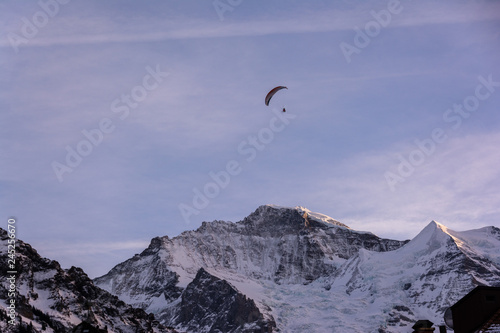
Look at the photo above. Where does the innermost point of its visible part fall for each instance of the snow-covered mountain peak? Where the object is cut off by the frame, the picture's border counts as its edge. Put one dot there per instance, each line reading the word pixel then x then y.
pixel 310 219
pixel 318 217
pixel 483 242
pixel 281 267
pixel 433 236
pixel 292 261
pixel 272 246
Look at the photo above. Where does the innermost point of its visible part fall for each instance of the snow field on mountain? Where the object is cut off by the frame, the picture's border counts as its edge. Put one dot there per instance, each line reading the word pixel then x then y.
pixel 475 241
pixel 314 274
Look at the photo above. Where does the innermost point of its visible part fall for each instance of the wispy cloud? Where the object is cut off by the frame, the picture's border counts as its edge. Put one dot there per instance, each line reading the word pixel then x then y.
pixel 456 186
pixel 94 248
pixel 68 31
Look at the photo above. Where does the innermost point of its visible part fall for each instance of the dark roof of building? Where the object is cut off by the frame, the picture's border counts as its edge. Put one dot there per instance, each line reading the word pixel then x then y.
pixel 472 293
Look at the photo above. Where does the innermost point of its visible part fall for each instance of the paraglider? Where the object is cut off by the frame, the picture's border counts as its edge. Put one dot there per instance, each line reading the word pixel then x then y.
pixel 271 94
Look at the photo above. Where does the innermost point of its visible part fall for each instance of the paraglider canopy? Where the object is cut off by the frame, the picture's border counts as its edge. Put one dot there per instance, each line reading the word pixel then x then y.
pixel 272 92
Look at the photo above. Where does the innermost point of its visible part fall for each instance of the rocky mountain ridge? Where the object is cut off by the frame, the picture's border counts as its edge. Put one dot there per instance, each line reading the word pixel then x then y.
pixel 292 262
pixel 277 244
pixel 51 299
pixel 281 269
pixel 308 272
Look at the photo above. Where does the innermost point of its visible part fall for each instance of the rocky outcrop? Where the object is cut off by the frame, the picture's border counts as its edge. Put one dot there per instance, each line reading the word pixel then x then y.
pixel 210 305
pixel 147 277
pixel 51 298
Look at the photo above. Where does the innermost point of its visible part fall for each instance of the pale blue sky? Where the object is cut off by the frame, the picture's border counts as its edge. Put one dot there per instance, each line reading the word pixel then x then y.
pixel 352 118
